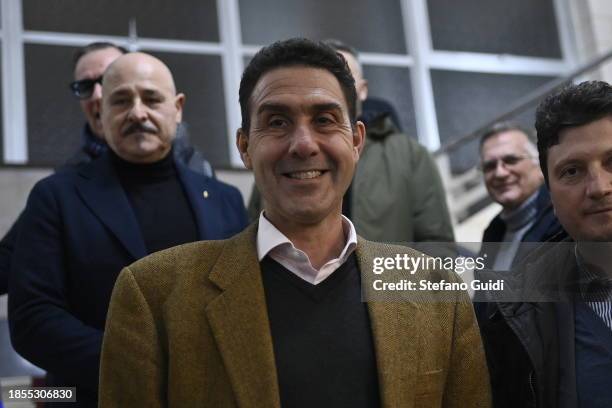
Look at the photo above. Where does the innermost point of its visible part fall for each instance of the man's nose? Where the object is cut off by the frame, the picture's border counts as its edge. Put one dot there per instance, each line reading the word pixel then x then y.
pixel 96 94
pixel 599 183
pixel 500 169
pixel 138 111
pixel 303 142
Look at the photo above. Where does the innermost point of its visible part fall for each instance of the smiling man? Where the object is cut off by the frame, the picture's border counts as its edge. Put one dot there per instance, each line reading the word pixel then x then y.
pixel 274 316
pixel 509 163
pixel 556 350
pixel 81 226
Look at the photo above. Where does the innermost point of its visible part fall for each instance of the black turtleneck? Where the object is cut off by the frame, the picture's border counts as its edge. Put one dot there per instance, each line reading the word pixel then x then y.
pixel 159 202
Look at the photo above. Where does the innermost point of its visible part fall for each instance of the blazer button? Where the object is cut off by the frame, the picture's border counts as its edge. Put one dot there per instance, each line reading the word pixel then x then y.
pixel 205 194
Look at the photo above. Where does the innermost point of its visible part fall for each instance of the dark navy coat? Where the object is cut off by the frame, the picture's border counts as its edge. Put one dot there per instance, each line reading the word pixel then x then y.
pixel 77 232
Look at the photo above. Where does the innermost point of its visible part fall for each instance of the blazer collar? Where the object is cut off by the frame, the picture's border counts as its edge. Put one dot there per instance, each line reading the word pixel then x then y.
pixel 100 189
pixel 239 320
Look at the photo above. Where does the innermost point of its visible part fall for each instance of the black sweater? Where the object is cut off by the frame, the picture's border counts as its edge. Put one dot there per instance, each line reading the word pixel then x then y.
pixel 322 338
pixel 159 202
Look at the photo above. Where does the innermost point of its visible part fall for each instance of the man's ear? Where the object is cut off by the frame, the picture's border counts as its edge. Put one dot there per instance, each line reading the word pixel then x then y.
pixel 179 102
pixel 359 135
pixel 242 142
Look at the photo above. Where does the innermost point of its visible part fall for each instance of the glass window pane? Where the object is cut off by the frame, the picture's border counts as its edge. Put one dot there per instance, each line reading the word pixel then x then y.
pixel 465 101
pixel 1 117
pixel 54 118
pixel 200 78
pixel 393 85
pixel 369 25
pixel 169 19
pixel 521 27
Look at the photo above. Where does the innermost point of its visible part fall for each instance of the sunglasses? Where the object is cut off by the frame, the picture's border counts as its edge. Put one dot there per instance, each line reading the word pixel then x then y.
pixel 84 88
pixel 508 160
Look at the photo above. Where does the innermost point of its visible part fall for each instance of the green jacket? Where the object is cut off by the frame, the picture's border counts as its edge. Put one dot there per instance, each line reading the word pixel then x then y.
pixel 397 194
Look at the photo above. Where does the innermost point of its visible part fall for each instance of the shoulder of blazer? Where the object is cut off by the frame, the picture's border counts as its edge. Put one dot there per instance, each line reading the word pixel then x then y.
pixel 194 263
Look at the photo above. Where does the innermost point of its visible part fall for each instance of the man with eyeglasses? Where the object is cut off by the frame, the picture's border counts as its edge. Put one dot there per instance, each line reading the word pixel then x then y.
pixel 509 162
pixel 549 344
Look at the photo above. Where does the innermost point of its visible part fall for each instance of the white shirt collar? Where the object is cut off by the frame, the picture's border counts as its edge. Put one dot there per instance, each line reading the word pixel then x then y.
pixel 270 241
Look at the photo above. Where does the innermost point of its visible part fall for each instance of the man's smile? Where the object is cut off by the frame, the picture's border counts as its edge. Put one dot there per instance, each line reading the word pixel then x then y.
pixel 304 174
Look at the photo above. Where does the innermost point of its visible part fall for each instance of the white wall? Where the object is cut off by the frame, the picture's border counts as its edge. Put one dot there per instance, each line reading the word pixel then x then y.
pixel 592 23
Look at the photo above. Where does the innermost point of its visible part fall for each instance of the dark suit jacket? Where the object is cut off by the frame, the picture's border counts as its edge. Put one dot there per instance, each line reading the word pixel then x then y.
pixel 77 232
pixel 530 343
pixel 188 327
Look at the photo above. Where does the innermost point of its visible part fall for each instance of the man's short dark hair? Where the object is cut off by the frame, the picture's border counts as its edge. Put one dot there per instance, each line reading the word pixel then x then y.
pixel 501 127
pixel 95 46
pixel 573 105
pixel 290 53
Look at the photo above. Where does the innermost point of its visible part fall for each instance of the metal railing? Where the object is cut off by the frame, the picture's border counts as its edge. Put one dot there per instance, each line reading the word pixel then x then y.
pixel 467 189
pixel 525 102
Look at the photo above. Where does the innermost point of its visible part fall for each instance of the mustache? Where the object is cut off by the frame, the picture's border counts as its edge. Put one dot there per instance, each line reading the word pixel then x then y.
pixel 138 127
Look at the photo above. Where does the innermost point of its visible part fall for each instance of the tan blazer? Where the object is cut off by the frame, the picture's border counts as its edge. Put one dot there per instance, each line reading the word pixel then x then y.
pixel 188 327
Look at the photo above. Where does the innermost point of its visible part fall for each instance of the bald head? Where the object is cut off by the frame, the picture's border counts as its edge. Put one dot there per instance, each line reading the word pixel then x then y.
pixel 140 108
pixel 141 65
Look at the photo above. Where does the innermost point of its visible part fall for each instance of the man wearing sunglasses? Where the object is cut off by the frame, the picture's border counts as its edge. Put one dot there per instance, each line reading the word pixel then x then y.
pixel 509 163
pixel 90 62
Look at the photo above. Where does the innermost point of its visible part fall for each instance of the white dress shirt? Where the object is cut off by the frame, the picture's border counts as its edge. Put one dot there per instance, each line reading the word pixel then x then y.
pixel 270 241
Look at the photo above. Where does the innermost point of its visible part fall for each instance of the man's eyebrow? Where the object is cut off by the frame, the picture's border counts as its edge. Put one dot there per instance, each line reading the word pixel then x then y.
pixel 282 108
pixel 273 107
pixel 326 107
pixel 150 92
pixel 578 156
pixel 120 92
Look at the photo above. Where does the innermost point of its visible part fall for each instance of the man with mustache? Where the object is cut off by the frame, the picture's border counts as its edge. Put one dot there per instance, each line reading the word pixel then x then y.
pixel 274 316
pixel 82 225
pixel 553 348
pixel 509 163
pixel 90 62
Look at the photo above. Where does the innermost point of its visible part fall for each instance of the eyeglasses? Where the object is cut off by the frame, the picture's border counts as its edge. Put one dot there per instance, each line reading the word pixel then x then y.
pixel 508 160
pixel 84 88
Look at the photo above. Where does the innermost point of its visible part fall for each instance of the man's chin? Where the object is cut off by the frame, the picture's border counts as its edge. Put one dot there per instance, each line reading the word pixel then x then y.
pixel 508 201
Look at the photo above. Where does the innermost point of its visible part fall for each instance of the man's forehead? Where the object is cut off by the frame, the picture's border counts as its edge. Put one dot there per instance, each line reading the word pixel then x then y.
pixel 137 80
pixel 512 141
pixel 138 68
pixel 582 142
pixel 293 85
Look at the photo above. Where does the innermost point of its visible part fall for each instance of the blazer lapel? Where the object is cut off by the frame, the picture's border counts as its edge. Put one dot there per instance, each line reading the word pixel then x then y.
pixel 101 191
pixel 239 321
pixel 392 323
pixel 203 202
